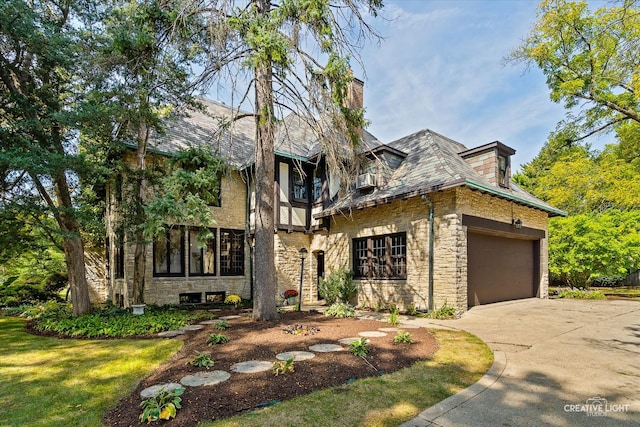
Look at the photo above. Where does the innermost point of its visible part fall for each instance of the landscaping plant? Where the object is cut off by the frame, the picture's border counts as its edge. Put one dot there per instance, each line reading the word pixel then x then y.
pixel 202 360
pixel 233 299
pixel 444 312
pixel 222 325
pixel 282 367
pixel 403 337
pixel 359 347
pixel 340 309
pixel 338 286
pixel 161 406
pixel 393 315
pixel 217 339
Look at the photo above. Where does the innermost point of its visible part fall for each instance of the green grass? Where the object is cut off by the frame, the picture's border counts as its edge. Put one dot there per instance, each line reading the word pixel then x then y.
pixel 632 292
pixel 53 382
pixel 388 400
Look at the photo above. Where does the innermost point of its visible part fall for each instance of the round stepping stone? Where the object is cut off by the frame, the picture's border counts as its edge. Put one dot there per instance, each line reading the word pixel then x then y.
pixel 348 341
pixel 295 355
pixel 372 334
pixel 150 391
pixel 389 329
pixel 408 326
pixel 170 334
pixel 326 348
pixel 209 322
pixel 191 327
pixel 234 316
pixel 205 378
pixel 251 367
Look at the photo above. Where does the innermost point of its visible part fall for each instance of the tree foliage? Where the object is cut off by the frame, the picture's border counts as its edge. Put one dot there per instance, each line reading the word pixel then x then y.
pixel 590 61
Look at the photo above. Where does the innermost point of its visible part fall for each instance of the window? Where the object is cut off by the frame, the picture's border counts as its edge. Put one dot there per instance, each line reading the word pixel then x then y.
pixel 299 185
pixel 503 166
pixel 380 257
pixel 118 257
pixel 318 179
pixel 168 253
pixel 231 252
pixel 202 254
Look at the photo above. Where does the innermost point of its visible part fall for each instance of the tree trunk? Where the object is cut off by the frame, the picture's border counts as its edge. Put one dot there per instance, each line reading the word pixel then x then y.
pixel 264 298
pixel 73 248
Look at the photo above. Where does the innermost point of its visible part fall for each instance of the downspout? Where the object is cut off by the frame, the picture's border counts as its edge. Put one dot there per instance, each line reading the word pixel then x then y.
pixel 431 240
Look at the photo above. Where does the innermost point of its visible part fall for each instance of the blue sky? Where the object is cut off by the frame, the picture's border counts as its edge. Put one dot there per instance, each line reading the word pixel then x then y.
pixel 441 67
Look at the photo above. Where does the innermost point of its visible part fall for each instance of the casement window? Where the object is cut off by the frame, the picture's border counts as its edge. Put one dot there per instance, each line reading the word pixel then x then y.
pixel 503 170
pixel 380 257
pixel 231 252
pixel 118 257
pixel 168 253
pixel 299 185
pixel 202 254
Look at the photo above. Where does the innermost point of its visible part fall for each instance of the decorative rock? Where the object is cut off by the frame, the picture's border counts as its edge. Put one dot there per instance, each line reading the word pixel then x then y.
pixel 295 355
pixel 348 341
pixel 191 327
pixel 170 334
pixel 408 326
pixel 234 316
pixel 150 391
pixel 389 329
pixel 372 334
pixel 251 367
pixel 326 348
pixel 205 378
pixel 209 322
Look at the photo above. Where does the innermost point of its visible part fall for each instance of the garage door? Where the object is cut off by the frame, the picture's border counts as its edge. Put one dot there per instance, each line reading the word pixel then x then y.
pixel 501 268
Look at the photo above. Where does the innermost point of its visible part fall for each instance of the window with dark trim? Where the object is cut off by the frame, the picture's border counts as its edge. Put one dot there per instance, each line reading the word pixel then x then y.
pixel 118 257
pixel 168 253
pixel 299 186
pixel 202 254
pixel 503 170
pixel 231 252
pixel 380 257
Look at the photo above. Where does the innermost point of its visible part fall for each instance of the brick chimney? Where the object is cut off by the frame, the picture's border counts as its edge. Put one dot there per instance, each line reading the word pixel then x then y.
pixel 492 161
pixel 355 98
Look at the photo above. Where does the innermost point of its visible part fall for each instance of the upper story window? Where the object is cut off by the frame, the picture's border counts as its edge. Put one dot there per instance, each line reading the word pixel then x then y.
pixel 299 185
pixel 168 253
pixel 503 170
pixel 202 254
pixel 380 257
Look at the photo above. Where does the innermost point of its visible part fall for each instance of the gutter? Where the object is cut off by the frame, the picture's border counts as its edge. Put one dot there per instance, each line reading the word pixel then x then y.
pixel 431 240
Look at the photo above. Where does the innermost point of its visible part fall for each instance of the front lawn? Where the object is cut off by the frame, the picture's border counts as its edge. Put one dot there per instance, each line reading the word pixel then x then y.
pixel 69 382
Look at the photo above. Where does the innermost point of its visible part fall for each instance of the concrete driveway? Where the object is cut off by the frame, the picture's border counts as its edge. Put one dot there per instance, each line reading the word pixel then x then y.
pixel 558 362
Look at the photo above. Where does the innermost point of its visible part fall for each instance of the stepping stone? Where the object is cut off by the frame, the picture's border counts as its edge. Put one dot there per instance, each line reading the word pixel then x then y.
pixel 348 341
pixel 205 378
pixel 150 391
pixel 295 355
pixel 372 334
pixel 389 329
pixel 191 327
pixel 408 326
pixel 326 348
pixel 170 334
pixel 209 322
pixel 251 367
pixel 234 316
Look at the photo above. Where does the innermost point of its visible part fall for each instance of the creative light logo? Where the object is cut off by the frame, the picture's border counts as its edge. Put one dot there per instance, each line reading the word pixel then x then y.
pixel 596 407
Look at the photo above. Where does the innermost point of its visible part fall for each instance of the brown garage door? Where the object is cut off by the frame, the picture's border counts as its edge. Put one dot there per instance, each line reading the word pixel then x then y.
pixel 501 268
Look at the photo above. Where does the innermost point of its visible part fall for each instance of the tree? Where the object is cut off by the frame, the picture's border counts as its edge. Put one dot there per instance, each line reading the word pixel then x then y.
pixel 278 47
pixel 140 80
pixel 38 161
pixel 591 63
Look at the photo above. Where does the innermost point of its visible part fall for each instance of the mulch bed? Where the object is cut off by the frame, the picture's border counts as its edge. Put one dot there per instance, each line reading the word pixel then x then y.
pixel 250 340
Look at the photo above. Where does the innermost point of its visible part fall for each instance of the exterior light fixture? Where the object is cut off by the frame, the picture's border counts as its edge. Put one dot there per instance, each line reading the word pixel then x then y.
pixel 303 254
pixel 518 223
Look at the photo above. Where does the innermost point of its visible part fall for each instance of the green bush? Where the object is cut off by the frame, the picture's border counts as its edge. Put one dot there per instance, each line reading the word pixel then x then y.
pixel 340 310
pixel 359 347
pixel 161 406
pixel 338 286
pixel 202 360
pixel 444 312
pixel 109 322
pixel 403 337
pixel 14 292
pixel 217 339
pixel 582 294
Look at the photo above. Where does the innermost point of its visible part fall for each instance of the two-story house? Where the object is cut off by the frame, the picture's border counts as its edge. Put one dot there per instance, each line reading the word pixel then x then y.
pixel 428 221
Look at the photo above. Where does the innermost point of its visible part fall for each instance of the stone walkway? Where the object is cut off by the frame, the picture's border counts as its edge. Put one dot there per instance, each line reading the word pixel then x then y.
pixel 207 378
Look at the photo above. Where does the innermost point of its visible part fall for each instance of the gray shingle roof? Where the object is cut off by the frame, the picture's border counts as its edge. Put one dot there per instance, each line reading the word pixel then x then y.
pixel 432 161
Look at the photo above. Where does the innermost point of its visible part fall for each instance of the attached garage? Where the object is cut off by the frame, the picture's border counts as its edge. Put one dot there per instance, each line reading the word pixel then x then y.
pixel 503 263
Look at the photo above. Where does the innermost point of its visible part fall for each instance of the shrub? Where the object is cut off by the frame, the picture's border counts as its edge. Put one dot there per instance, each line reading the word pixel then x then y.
pixel 403 337
pixel 393 315
pixel 582 294
pixel 217 339
pixel 341 310
pixel 233 299
pixel 444 312
pixel 359 347
pixel 161 406
pixel 202 360
pixel 282 367
pixel 222 325
pixel 338 286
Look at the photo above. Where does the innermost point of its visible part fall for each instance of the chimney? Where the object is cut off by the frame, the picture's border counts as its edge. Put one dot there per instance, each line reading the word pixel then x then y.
pixel 355 99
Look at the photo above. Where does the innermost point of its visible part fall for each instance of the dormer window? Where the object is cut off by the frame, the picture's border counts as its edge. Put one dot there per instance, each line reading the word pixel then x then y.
pixel 492 161
pixel 299 185
pixel 503 170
